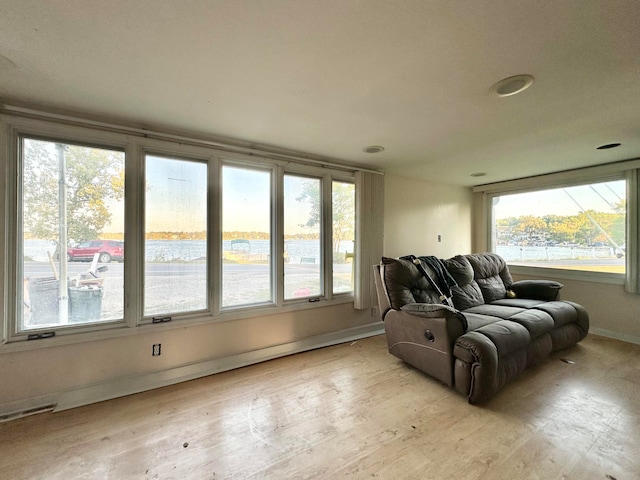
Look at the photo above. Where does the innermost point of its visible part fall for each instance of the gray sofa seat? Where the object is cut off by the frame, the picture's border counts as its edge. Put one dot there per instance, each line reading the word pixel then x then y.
pixel 495 329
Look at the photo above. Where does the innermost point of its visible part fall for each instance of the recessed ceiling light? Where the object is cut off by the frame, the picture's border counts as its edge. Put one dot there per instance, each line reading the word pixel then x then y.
pixel 608 146
pixel 478 174
pixel 512 85
pixel 373 149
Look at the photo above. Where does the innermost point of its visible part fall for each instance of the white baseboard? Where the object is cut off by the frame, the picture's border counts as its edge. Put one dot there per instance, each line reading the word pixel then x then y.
pixel 615 335
pixel 28 406
pixel 139 383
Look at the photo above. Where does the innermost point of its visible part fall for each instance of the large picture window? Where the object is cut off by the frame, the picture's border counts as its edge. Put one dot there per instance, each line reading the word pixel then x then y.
pixel 576 227
pixel 72 231
pixel 206 235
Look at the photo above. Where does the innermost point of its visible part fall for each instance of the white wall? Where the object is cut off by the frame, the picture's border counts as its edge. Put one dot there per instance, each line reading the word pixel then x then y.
pixel 55 371
pixel 416 212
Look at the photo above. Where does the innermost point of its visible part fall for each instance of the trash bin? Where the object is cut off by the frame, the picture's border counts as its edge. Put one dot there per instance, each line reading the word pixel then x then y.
pixel 85 303
pixel 43 300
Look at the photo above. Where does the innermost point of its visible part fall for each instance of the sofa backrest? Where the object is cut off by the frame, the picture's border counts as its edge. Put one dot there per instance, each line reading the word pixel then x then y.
pixel 481 278
pixel 402 283
pixel 491 273
pixel 467 293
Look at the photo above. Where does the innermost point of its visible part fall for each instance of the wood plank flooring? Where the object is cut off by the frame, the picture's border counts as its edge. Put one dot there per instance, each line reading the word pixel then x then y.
pixel 350 411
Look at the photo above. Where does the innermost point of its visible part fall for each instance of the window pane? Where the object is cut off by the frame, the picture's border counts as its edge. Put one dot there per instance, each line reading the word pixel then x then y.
pixel 246 236
pixel 343 207
pixel 175 236
pixel 579 228
pixel 72 214
pixel 302 216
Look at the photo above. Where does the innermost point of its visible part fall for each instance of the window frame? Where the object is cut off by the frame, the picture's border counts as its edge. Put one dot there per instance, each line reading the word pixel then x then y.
pixel 243 163
pixel 188 156
pixel 136 147
pixel 586 176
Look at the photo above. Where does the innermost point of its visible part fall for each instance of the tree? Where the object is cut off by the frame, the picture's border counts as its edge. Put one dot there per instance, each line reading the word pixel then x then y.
pixel 94 177
pixel 343 205
pixel 344 208
pixel 530 228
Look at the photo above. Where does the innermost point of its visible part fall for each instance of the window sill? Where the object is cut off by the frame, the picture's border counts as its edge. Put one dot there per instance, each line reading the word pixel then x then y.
pixel 565 274
pixel 178 322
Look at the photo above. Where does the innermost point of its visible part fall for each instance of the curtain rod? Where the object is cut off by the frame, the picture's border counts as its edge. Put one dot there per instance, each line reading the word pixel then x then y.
pixel 158 135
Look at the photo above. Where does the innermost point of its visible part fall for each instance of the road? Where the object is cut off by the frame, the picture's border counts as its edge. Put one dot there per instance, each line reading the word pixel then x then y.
pixel 43 269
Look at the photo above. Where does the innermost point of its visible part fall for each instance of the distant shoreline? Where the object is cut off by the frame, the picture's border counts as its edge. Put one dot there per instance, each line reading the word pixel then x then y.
pixel 201 236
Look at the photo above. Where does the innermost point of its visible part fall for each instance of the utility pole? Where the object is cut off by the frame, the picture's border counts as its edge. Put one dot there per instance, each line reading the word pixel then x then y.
pixel 63 294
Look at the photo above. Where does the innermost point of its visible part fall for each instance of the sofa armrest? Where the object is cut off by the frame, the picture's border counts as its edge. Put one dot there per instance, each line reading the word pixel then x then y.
pixel 547 290
pixel 433 310
pixel 425 340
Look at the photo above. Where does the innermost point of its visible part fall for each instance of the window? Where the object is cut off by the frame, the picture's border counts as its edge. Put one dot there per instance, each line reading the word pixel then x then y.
pixel 70 235
pixel 343 209
pixel 206 234
pixel 577 227
pixel 175 257
pixel 246 236
pixel 302 251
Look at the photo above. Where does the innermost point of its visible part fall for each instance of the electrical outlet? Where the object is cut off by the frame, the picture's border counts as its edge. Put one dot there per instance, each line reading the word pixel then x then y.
pixel 375 312
pixel 156 350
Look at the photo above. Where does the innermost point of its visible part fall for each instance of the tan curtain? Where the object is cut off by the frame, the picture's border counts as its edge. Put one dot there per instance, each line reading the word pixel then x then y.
pixel 369 236
pixel 632 280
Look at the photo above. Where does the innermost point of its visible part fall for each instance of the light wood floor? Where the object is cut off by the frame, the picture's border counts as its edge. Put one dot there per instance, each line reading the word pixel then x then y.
pixel 349 411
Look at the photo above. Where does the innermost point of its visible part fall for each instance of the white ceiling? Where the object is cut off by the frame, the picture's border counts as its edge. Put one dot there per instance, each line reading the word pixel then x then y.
pixel 329 77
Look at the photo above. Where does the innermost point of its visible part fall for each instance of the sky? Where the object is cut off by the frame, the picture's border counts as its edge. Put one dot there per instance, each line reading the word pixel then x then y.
pixel 559 201
pixel 176 195
pixel 245 198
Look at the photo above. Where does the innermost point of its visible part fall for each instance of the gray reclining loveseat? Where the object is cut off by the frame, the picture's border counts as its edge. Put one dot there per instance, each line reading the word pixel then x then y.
pixel 495 329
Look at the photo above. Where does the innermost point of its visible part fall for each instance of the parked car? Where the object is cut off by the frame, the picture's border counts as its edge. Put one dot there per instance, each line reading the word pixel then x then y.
pixel 108 250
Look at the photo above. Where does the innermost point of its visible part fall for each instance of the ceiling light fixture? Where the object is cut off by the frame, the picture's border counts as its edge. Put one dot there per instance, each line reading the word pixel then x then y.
pixel 608 146
pixel 512 85
pixel 373 149
pixel 478 174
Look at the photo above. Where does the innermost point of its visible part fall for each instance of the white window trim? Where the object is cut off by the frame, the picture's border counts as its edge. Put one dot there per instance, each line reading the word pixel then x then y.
pixel 600 173
pixel 135 144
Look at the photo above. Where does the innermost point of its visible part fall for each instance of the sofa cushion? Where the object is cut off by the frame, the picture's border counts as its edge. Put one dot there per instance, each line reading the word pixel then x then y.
pixel 460 269
pixel 535 321
pixel 492 288
pixel 477 320
pixel 467 293
pixel 491 272
pixel 518 302
pixel 500 311
pixel 505 336
pixel 467 296
pixel 561 312
pixel 403 283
